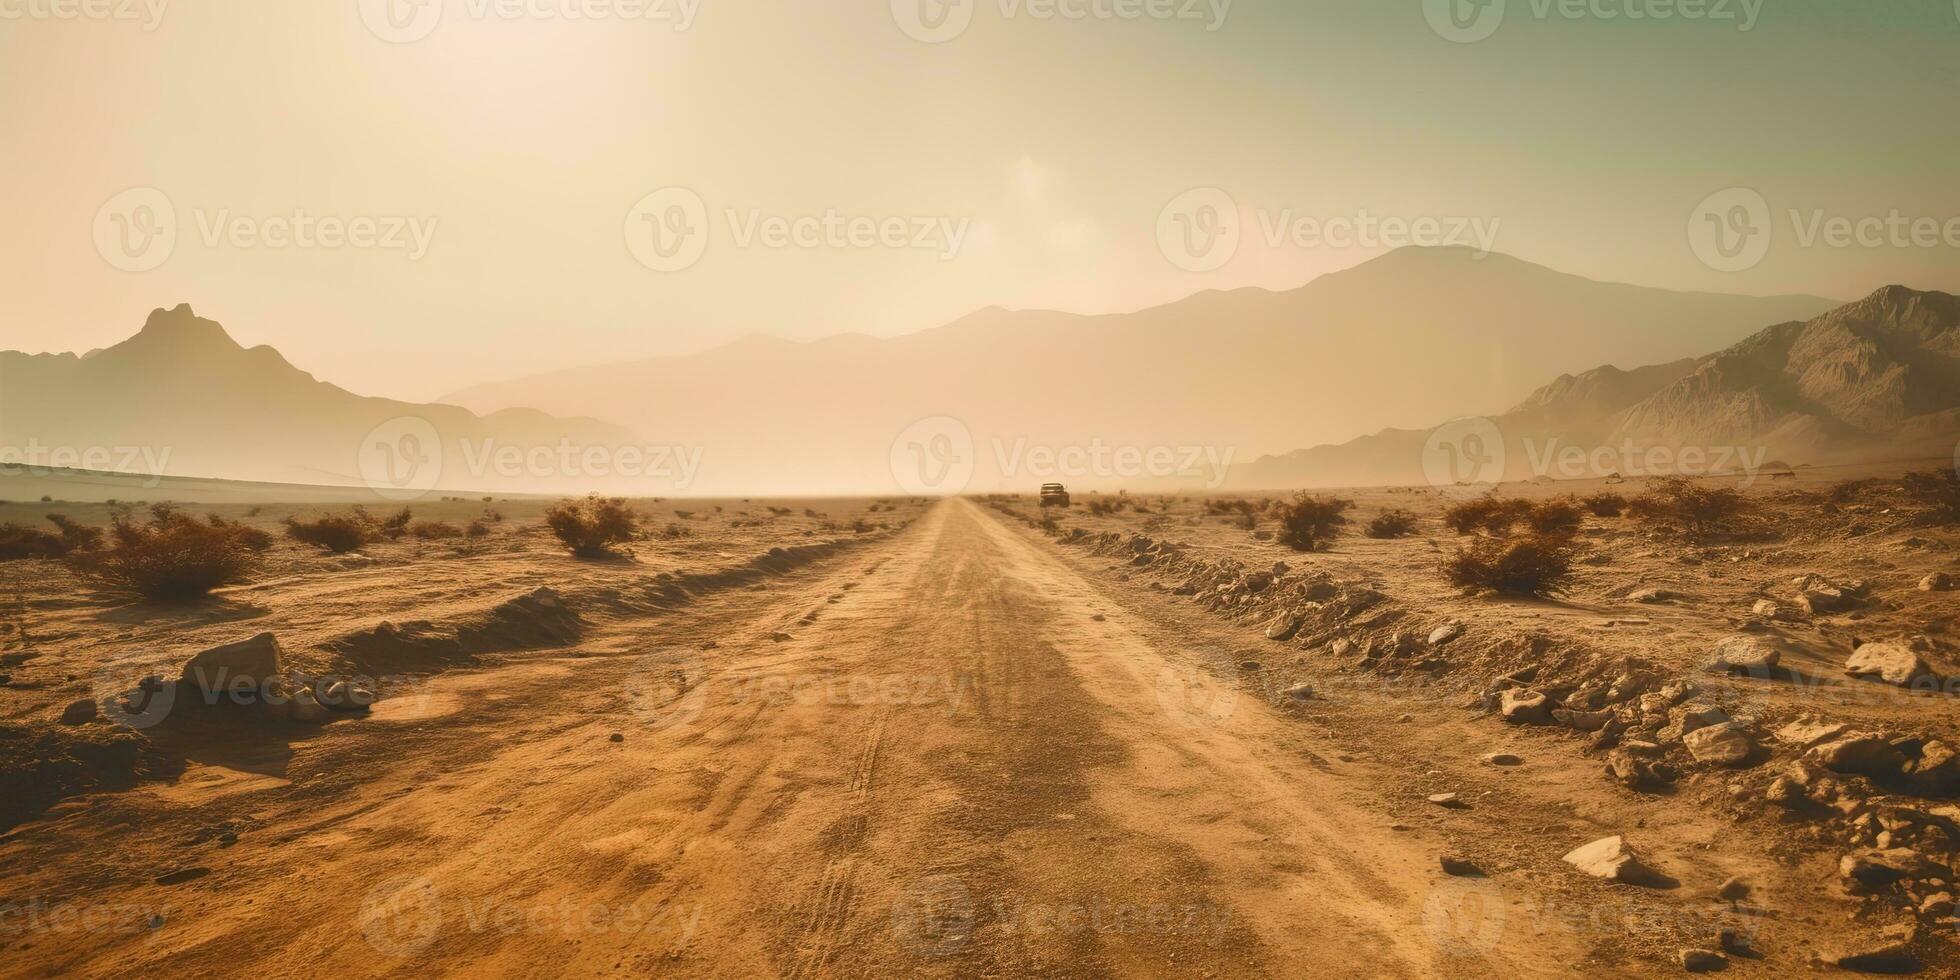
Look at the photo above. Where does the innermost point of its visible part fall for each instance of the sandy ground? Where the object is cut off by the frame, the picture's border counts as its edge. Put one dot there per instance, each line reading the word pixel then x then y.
pixel 951 746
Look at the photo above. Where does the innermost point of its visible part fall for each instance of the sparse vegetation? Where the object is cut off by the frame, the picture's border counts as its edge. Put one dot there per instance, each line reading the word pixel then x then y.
pixel 173 555
pixel 1530 566
pixel 337 533
pixel 1696 510
pixel 19 542
pixel 1560 517
pixel 1605 504
pixel 592 528
pixel 1937 490
pixel 1310 522
pixel 1391 524
pixel 434 531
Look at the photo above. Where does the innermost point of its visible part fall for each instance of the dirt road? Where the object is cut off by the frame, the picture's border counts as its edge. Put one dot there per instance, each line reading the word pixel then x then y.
pixel 951 753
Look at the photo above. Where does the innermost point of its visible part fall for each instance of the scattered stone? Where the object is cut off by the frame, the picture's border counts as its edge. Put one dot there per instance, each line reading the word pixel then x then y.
pixel 1445 633
pixel 1860 753
pixel 1628 769
pixel 1448 801
pixel 779 637
pixel 1821 600
pixel 1765 609
pixel 1651 595
pixel 1300 692
pixel 1732 890
pixel 1099 617
pixel 1459 868
pixel 1938 905
pixel 1936 582
pixel 237 667
pixel 1582 721
pixel 1891 954
pixel 1502 759
pixel 1892 663
pixel 344 696
pixel 182 875
pixel 1745 655
pixel 1703 961
pixel 1523 706
pixel 1611 859
pixel 80 713
pixel 1869 871
pixel 1251 665
pixel 1809 731
pixel 1726 744
pixel 305 707
pixel 616 737
pixel 1284 626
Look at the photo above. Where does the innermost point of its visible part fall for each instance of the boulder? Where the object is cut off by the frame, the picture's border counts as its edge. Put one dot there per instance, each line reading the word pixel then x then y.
pixel 1445 633
pixel 1820 600
pixel 1284 625
pixel 1610 859
pixel 1582 721
pixel 1651 595
pixel 1702 961
pixel 1860 753
pixel 1502 759
pixel 240 667
pixel 1892 663
pixel 1523 706
pixel 1745 655
pixel 1937 770
pixel 1808 731
pixel 1726 744
pixel 1765 609
pixel 1936 582
pixel 304 707
pixel 80 713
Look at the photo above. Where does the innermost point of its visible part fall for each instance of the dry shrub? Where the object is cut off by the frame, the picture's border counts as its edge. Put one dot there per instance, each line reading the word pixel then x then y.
pixel 1697 510
pixel 1490 514
pixel 1531 566
pixel 1554 518
pixel 338 534
pixel 434 531
pixel 1605 504
pixel 1309 522
pixel 391 527
pixel 173 556
pixel 18 541
pixel 1391 524
pixel 592 527
pixel 1937 490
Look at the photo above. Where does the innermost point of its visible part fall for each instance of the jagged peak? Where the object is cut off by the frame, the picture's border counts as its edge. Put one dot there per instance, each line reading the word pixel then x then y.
pixel 180 326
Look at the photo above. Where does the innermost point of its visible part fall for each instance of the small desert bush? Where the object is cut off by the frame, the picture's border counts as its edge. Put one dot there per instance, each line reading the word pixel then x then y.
pixel 1532 566
pixel 1554 518
pixel 434 531
pixel 1605 504
pixel 1490 514
pixel 1391 524
pixel 337 533
pixel 1309 522
pixel 391 527
pixel 172 556
pixel 673 532
pixel 592 527
pixel 1937 490
pixel 18 541
pixel 1697 510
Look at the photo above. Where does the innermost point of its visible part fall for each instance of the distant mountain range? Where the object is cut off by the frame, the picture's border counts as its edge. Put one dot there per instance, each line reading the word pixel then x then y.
pixel 1410 337
pixel 1874 379
pixel 181 398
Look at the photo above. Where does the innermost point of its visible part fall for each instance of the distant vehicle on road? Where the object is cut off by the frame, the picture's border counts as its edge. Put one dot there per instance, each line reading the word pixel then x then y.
pixel 1054 495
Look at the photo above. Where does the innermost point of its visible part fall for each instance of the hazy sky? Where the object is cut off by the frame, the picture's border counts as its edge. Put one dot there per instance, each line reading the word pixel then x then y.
pixel 492 169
